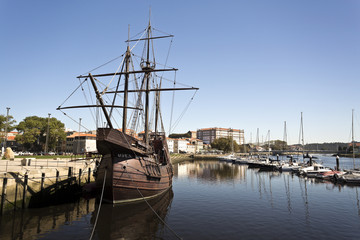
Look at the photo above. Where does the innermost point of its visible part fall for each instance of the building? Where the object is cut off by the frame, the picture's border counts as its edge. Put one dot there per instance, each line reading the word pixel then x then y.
pixel 81 143
pixel 184 145
pixel 170 143
pixel 84 143
pixel 180 145
pixel 195 145
pixel 10 141
pixel 208 135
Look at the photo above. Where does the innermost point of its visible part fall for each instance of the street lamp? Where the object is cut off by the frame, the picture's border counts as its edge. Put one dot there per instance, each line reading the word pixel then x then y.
pixel 47 135
pixel 6 126
pixel 78 146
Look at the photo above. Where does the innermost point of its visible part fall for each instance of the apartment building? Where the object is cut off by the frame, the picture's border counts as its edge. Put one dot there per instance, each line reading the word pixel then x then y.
pixel 208 135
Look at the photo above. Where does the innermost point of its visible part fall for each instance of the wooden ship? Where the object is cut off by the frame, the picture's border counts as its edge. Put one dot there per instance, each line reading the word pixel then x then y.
pixel 132 168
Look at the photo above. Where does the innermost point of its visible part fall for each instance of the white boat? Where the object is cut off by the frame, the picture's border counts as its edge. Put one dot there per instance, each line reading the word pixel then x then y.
pixel 350 177
pixel 228 158
pixel 317 170
pixel 289 167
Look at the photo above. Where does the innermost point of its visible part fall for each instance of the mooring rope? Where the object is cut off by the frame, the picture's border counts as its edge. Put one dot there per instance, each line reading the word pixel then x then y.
pixel 97 214
pixel 152 209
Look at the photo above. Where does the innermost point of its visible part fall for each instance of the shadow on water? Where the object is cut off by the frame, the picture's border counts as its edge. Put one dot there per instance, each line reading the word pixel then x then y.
pixel 38 222
pixel 76 220
pixel 132 221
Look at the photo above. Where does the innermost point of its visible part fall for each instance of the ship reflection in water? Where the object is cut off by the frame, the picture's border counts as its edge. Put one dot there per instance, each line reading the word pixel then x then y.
pixel 133 221
pixel 76 220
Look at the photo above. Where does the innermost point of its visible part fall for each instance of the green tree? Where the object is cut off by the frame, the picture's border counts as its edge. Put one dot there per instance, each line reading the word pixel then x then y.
pixel 225 145
pixel 33 133
pixel 278 145
pixel 245 148
pixel 180 135
pixel 11 123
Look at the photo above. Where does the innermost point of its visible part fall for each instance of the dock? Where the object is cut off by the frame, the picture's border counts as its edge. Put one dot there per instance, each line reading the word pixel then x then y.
pixel 30 182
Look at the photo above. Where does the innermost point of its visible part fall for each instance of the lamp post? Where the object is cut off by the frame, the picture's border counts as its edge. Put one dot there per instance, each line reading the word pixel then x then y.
pixel 6 126
pixel 78 146
pixel 47 135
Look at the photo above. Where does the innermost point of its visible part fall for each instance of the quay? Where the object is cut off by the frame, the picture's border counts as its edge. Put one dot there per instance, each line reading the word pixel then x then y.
pixel 31 182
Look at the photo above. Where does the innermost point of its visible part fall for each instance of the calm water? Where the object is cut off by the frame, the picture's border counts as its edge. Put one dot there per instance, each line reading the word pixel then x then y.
pixel 209 200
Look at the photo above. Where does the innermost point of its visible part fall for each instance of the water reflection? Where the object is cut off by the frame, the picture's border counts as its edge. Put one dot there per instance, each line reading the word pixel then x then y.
pixel 133 221
pixel 210 171
pixel 33 223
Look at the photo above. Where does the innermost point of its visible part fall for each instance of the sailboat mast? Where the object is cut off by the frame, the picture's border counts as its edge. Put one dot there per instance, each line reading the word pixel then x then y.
pixel 352 137
pixel 269 143
pixel 147 92
pixel 285 136
pixel 302 135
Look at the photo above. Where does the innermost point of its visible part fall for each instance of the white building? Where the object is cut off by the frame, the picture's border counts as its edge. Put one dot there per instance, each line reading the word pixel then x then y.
pixel 180 145
pixel 81 143
pixel 208 135
pixel 170 143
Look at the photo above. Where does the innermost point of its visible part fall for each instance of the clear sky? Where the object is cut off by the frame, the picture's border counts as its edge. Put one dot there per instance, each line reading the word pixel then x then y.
pixel 257 63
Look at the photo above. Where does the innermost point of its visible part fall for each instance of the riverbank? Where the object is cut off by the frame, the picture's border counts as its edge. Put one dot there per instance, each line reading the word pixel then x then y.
pixel 179 157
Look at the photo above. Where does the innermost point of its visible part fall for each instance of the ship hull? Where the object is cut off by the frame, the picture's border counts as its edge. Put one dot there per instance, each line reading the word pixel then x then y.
pixel 132 179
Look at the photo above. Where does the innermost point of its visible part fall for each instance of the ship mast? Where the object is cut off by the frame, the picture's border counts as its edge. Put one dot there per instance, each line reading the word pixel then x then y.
pixel 126 87
pixel 147 70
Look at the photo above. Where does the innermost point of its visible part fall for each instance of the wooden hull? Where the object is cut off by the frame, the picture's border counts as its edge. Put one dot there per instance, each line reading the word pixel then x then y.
pixel 131 179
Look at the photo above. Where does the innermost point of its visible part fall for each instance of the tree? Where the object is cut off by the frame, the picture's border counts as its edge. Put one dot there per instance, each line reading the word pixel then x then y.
pixel 11 123
pixel 33 133
pixel 278 145
pixel 225 144
pixel 180 135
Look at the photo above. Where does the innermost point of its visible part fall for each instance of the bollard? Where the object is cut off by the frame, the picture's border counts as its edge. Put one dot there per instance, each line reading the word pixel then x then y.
pixel 42 181
pixel 80 171
pixel 69 175
pixel 24 191
pixel 16 190
pixel 3 195
pixel 89 174
pixel 57 180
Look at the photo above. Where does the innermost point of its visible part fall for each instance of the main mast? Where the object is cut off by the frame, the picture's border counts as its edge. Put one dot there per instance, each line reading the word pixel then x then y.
pixel 147 70
pixel 126 88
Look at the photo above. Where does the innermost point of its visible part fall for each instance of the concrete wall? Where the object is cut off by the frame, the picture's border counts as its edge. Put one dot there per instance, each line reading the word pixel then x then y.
pixel 15 171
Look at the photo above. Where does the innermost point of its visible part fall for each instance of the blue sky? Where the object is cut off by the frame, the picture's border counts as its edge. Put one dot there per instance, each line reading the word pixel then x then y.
pixel 257 63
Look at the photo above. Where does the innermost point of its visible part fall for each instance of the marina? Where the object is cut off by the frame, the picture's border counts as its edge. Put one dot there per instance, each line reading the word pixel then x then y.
pixel 105 135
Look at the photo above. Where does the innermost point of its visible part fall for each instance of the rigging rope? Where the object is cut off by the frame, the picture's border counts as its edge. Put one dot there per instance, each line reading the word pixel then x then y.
pixel 172 105
pixel 73 92
pixel 73 119
pixel 103 64
pixel 117 70
pixel 87 101
pixel 101 198
pixel 184 111
pixel 152 209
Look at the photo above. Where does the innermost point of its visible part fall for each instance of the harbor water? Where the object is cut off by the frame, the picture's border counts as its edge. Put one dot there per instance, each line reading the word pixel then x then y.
pixel 208 200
